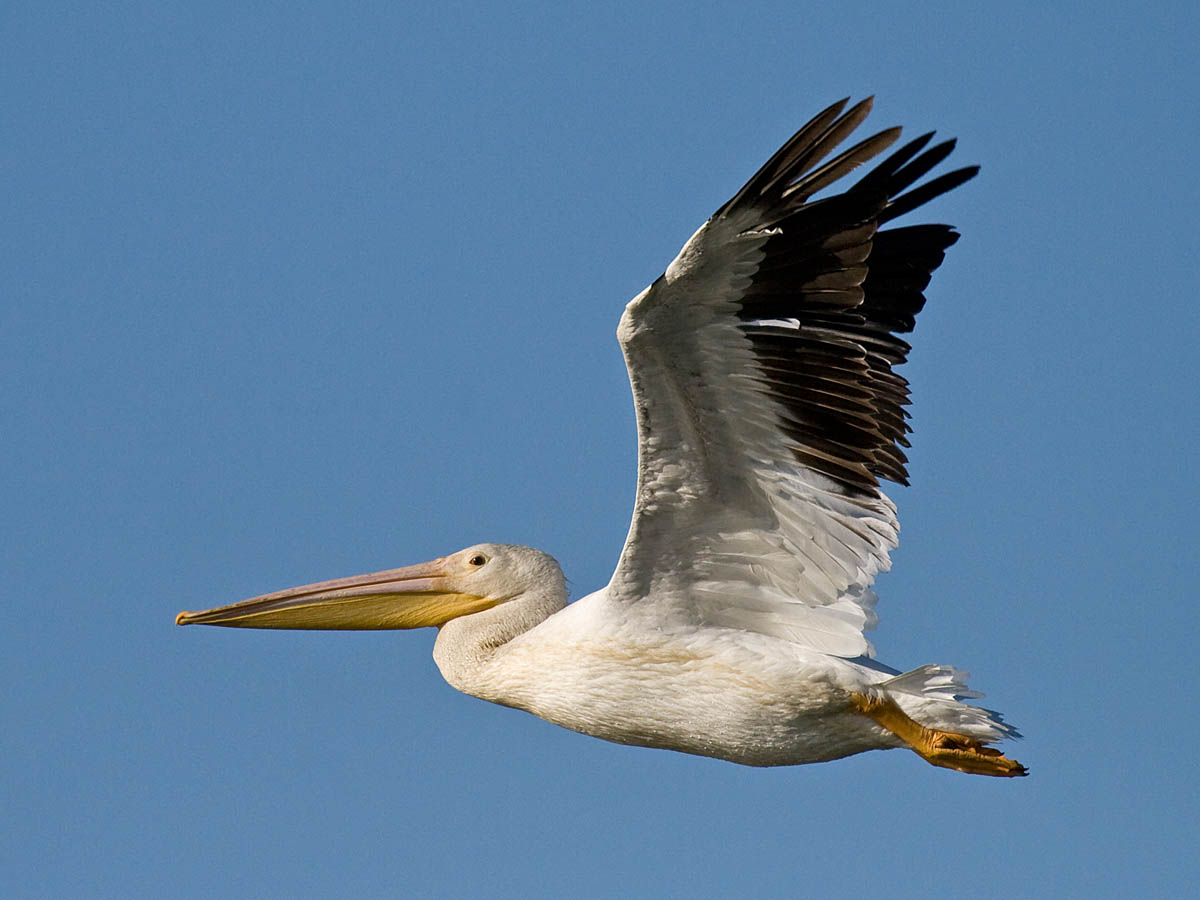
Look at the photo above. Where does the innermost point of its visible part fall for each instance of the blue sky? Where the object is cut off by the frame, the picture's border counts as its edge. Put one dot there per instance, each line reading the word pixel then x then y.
pixel 304 290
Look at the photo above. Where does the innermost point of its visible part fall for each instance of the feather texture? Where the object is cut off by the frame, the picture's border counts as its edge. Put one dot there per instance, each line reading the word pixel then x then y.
pixel 763 371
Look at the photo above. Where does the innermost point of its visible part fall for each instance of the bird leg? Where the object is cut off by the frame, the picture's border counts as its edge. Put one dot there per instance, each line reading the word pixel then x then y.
pixel 938 748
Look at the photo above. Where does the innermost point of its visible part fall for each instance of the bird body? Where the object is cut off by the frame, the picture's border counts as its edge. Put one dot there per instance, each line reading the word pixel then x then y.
pixel 614 671
pixel 762 369
pixel 755 700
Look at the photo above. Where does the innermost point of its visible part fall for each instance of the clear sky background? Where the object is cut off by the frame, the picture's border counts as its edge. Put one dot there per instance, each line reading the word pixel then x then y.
pixel 299 290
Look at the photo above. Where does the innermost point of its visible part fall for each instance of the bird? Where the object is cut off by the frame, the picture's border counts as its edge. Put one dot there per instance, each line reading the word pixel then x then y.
pixel 763 369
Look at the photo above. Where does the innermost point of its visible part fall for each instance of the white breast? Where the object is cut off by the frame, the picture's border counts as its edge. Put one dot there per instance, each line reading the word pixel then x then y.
pixel 751 699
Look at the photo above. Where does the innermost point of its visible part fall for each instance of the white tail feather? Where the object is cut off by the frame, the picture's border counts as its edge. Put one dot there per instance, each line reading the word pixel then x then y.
pixel 933 695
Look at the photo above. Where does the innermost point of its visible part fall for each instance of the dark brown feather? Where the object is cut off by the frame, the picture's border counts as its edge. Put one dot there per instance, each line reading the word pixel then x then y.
pixel 851 288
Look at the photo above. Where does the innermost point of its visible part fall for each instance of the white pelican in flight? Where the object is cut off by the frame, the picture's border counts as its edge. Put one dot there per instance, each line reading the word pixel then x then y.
pixel 762 365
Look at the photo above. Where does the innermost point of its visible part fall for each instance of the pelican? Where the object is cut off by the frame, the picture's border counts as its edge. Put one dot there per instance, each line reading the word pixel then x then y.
pixel 762 364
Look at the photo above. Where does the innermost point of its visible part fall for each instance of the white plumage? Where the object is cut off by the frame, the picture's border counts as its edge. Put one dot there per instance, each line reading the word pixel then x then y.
pixel 762 368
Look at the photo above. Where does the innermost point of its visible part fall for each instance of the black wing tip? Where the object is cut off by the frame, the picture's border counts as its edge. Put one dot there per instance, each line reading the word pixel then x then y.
pixel 807 146
pixel 866 104
pixel 922 194
pixel 900 263
pixel 785 182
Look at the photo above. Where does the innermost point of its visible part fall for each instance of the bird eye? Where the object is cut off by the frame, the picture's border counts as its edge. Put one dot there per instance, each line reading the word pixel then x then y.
pixel 477 560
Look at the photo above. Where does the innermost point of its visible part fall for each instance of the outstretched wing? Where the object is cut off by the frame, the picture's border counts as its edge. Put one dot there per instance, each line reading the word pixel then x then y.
pixel 762 366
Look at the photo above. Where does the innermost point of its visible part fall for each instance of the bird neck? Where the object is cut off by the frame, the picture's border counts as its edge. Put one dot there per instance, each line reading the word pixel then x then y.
pixel 467 645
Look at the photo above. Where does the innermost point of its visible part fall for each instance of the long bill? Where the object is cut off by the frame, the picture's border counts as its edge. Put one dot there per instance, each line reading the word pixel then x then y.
pixel 410 597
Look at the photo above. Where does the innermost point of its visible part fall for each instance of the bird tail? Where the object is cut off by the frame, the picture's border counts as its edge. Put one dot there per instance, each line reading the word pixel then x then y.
pixel 932 696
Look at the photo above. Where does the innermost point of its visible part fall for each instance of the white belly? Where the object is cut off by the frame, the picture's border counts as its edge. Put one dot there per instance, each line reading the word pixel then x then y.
pixel 746 698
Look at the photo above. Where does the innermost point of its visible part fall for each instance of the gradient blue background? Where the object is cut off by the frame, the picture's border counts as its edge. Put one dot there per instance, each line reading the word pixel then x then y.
pixel 293 291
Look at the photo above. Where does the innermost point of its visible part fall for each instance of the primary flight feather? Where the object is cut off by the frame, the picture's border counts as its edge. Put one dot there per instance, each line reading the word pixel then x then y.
pixel 762 364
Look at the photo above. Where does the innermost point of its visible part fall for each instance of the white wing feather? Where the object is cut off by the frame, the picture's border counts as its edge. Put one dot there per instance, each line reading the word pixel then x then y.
pixel 731 527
